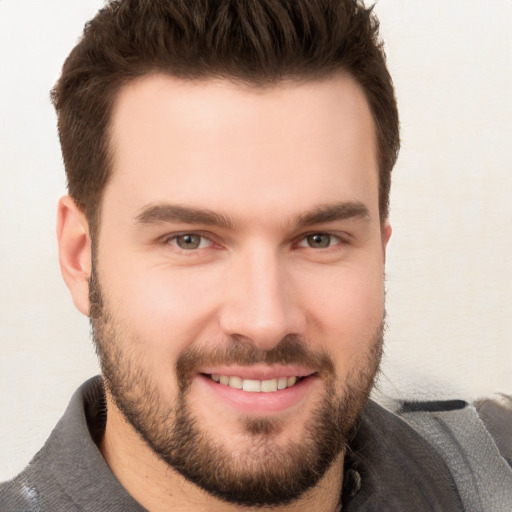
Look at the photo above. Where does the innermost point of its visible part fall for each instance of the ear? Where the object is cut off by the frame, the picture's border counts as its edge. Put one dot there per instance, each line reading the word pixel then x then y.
pixel 74 251
pixel 385 236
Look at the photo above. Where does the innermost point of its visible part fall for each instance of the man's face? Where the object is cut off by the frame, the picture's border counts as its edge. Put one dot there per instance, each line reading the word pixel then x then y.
pixel 241 247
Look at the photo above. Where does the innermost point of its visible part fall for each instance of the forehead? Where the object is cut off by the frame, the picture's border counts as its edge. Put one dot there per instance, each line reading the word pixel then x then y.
pixel 207 143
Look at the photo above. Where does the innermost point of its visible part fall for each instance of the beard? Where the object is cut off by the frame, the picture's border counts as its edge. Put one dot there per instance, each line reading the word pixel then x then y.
pixel 264 472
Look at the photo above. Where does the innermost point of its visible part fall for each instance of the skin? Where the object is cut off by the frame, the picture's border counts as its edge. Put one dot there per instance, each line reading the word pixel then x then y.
pixel 262 159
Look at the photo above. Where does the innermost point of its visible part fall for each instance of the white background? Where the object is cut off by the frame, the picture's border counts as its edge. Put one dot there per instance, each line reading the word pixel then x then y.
pixel 450 258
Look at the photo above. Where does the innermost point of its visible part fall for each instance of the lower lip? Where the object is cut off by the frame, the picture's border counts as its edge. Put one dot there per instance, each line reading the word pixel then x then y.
pixel 258 403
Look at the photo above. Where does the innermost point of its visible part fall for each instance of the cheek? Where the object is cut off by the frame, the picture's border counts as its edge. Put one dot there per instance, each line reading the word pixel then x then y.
pixel 348 311
pixel 156 318
pixel 166 310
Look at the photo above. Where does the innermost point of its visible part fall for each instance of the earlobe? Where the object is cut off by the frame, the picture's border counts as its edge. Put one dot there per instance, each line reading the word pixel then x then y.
pixel 74 251
pixel 385 236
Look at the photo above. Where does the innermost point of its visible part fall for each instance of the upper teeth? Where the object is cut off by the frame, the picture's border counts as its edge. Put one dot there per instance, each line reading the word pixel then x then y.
pixel 255 386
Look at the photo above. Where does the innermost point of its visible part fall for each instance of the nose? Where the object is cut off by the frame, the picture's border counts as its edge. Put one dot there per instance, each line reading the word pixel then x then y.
pixel 260 306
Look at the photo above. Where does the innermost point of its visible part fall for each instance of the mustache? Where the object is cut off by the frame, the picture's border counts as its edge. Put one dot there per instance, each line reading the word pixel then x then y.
pixel 291 350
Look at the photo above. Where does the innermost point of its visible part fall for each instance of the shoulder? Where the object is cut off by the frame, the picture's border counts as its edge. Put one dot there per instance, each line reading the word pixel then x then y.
pixel 20 494
pixel 69 473
pixel 40 487
pixel 488 419
pixel 475 441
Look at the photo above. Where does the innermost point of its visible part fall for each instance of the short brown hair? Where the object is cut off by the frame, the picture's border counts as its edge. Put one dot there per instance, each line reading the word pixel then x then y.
pixel 258 42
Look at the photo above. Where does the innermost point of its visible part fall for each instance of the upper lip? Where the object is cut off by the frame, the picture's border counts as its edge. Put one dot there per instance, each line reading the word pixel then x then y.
pixel 259 372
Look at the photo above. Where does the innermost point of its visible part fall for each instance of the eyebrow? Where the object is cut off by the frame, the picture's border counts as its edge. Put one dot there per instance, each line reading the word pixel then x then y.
pixel 161 213
pixel 332 213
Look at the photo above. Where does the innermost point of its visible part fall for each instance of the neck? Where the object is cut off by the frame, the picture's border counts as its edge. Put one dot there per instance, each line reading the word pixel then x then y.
pixel 158 487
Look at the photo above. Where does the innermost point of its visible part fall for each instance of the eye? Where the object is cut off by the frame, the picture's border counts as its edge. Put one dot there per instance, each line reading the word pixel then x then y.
pixel 189 241
pixel 319 241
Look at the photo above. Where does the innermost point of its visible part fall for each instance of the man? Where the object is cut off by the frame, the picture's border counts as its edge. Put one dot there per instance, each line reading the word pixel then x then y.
pixel 229 167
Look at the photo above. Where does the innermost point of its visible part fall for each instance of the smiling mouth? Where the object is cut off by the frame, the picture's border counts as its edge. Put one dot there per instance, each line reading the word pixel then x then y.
pixel 256 386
